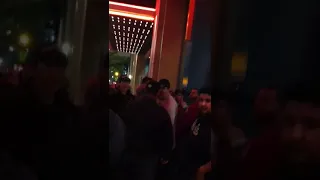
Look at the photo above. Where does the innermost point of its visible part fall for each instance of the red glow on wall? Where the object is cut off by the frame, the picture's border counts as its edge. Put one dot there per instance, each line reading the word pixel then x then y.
pixel 190 20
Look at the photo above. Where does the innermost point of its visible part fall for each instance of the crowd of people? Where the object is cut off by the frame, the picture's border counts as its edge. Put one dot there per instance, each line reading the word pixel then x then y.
pixel 191 136
pixel 154 134
pixel 43 134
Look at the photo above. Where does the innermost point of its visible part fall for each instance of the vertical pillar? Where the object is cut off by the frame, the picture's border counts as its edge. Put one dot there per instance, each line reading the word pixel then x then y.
pixel 74 34
pixel 88 38
pixel 133 68
pixel 198 65
pixel 95 40
pixel 140 69
pixel 168 38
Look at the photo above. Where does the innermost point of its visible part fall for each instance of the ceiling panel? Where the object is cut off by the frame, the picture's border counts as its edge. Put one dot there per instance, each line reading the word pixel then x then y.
pixel 130 35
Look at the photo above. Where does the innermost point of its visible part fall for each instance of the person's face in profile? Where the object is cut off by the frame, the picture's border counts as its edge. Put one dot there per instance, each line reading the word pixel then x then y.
pixel 301 132
pixel 179 98
pixel 204 103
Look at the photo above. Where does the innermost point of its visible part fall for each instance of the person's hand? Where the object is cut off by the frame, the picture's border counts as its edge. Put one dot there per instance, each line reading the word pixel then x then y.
pixel 205 168
pixel 163 162
pixel 202 171
pixel 200 176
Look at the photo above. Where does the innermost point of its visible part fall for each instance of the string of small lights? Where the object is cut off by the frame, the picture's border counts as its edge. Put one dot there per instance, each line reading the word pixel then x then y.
pixel 130 34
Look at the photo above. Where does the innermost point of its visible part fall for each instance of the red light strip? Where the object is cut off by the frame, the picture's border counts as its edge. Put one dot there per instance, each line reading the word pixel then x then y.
pixel 130 15
pixel 190 20
pixel 132 6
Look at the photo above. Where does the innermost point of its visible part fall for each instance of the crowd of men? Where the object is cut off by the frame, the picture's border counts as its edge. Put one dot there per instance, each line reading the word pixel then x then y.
pixel 175 135
pixel 155 133
pixel 43 134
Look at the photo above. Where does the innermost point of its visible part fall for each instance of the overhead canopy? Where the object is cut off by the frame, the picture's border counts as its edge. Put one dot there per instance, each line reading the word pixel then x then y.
pixel 130 27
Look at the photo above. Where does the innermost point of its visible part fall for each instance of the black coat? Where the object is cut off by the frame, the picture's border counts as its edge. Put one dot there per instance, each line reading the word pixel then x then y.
pixel 149 129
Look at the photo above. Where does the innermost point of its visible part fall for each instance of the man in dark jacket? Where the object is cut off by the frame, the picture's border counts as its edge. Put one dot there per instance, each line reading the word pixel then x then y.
pixel 149 135
pixel 116 138
pixel 196 150
pixel 122 95
pixel 40 134
pixel 116 145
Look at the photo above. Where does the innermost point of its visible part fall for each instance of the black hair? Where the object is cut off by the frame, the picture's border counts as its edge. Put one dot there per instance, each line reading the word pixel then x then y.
pixel 164 83
pixel 146 80
pixel 152 87
pixel 178 92
pixel 124 79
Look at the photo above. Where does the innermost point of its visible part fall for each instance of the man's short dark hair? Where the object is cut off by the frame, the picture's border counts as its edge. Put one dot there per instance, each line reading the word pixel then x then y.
pixel 164 83
pixel 50 56
pixel 124 79
pixel 152 87
pixel 146 80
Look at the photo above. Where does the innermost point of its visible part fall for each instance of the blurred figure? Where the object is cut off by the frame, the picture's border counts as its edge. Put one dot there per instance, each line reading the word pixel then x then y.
pixel 116 144
pixel 265 108
pixel 166 100
pixel 41 130
pixel 149 135
pixel 14 170
pixel 116 138
pixel 294 152
pixel 122 96
pixel 193 96
pixel 141 88
pixel 179 98
pixel 227 140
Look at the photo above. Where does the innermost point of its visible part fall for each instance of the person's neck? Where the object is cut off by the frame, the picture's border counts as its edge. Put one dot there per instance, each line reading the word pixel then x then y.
pixel 121 92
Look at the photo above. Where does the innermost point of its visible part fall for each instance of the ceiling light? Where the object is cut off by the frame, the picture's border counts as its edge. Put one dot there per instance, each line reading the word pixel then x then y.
pixel 130 15
pixel 132 6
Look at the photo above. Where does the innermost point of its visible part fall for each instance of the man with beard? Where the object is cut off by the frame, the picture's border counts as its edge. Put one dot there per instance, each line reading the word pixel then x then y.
pixel 122 95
